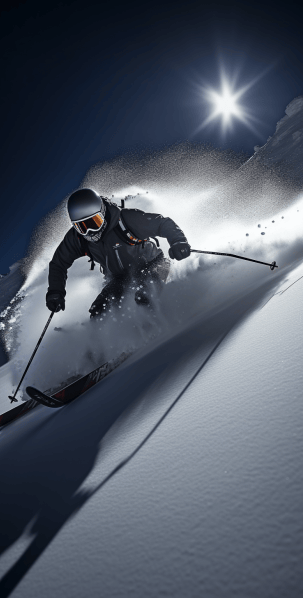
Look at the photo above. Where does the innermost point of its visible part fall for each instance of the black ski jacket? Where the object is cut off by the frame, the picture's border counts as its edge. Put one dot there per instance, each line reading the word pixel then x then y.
pixel 115 255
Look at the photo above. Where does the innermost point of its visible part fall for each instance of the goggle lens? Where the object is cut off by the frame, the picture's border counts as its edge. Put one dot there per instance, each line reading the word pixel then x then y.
pixel 94 223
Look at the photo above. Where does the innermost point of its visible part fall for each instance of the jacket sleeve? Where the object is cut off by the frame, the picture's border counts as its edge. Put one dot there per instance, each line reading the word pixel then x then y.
pixel 66 253
pixel 144 224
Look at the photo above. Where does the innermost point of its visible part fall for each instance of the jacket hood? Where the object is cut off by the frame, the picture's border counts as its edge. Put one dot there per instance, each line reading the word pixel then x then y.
pixel 112 216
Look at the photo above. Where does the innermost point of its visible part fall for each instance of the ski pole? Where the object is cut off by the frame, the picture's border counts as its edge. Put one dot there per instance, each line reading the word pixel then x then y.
pixel 13 398
pixel 272 266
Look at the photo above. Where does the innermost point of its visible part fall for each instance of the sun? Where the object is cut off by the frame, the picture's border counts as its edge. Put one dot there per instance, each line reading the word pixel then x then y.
pixel 226 103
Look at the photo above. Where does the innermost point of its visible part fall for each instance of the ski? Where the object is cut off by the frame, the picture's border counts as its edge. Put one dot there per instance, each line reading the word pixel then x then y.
pixel 16 412
pixel 64 394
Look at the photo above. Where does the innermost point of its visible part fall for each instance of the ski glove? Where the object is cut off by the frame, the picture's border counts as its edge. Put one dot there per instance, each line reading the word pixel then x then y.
pixel 179 251
pixel 55 301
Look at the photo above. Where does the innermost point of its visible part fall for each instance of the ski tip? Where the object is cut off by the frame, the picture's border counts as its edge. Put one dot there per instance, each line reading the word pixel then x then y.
pixel 41 397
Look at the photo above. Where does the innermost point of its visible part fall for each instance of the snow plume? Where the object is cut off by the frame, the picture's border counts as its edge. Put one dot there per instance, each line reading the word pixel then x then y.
pixel 44 241
pixel 220 206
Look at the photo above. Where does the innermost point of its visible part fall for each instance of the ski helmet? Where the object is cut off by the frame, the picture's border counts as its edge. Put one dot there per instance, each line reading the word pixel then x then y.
pixel 86 210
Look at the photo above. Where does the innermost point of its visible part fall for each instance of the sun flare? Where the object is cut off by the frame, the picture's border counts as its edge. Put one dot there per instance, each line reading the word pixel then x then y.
pixel 225 103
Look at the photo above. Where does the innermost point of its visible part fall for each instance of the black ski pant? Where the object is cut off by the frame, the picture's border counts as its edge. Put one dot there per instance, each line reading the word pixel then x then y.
pixel 145 283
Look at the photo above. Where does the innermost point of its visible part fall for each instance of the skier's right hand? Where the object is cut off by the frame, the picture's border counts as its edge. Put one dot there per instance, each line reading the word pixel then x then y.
pixel 179 250
pixel 55 301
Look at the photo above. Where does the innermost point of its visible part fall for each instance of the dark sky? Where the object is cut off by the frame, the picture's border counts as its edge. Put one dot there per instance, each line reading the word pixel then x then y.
pixel 85 81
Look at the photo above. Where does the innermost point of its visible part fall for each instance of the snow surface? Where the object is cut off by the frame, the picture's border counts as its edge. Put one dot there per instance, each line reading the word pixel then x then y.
pixel 181 473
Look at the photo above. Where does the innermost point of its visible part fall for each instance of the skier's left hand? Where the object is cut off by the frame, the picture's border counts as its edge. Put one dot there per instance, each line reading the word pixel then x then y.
pixel 179 251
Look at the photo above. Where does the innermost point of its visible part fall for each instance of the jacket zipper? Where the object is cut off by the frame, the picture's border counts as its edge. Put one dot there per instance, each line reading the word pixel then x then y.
pixel 118 258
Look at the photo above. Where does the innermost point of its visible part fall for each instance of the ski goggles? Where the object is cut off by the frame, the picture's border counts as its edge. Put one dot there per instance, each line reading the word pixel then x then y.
pixel 93 223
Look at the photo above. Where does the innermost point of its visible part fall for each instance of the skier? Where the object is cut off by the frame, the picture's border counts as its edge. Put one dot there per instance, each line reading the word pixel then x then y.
pixel 117 239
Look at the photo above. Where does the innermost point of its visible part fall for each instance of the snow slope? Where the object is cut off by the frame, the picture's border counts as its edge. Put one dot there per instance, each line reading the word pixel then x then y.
pixel 211 504
pixel 284 148
pixel 181 473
